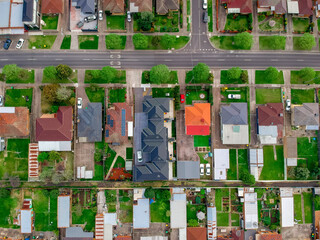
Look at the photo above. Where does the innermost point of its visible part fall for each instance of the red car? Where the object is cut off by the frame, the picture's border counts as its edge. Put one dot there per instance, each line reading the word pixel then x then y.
pixel 182 98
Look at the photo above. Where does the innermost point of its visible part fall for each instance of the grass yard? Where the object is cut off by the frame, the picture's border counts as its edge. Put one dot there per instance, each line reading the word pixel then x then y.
pixel 21 76
pixel 222 219
pixel 299 96
pixel 50 21
pixel 272 169
pixel 123 43
pixel 225 80
pixel 7 210
pixel 87 217
pixel 201 141
pixel 179 43
pixel 243 160
pixel 111 154
pixel 173 78
pixel 307 153
pixel 296 79
pixel 218 199
pixel 235 220
pixel 202 160
pixel 66 42
pixel 268 43
pixel 260 78
pixel 307 200
pixel 163 92
pixel 95 76
pixel 88 41
pixel 41 41
pixel 243 91
pixel 117 95
pixel 98 172
pixel 279 24
pixel 126 212
pixel 265 95
pixel 210 16
pixel 300 25
pixel 232 171
pixel 111 199
pixel 129 153
pixel 160 211
pixel 298 47
pixel 297 208
pixel 194 95
pixel 55 79
pixel 225 42
pixel 95 94
pixel 116 22
pixel 239 23
pixel 120 163
pixel 17 98
pixel 193 209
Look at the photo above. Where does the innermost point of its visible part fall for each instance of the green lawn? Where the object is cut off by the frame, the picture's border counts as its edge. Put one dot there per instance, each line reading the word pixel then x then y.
pixel 268 43
pixel 160 211
pixel 173 78
pixel 297 79
pixel 126 212
pixel 297 47
pixel 163 92
pixel 300 25
pixel 87 217
pixel 272 169
pixel 8 205
pixel 299 96
pixel 210 16
pixel 307 200
pixel 98 172
pixel 95 94
pixel 123 42
pixel 21 76
pixel 297 208
pixel 243 160
pixel 218 199
pixel 193 209
pixel 120 163
pixel 235 220
pixel 50 78
pixel 88 41
pixel 66 42
pixel 129 153
pixel 225 42
pixel 17 98
pixel 279 24
pixel 41 41
pixel 190 79
pixel 307 152
pixel 260 78
pixel 265 95
pixel 116 22
pixel 237 22
pixel 222 219
pixel 96 76
pixel 232 171
pixel 194 95
pixel 225 80
pixel 201 141
pixel 243 91
pixel 179 43
pixel 50 21
pixel 117 95
pixel 201 156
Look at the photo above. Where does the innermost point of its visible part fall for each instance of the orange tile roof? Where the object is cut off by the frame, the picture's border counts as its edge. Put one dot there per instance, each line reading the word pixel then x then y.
pixel 15 124
pixel 196 233
pixel 270 236
pixel 198 119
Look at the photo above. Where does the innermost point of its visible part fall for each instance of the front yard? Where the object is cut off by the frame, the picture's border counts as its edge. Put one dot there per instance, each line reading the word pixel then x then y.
pixel 166 23
pixel 297 208
pixel 95 94
pixel 224 79
pixel 111 75
pixel 238 22
pixel 272 42
pixel 116 22
pixel 48 77
pixel 66 42
pixel 298 78
pixel 273 24
pixel 19 98
pixel 273 169
pixel 267 95
pixel 225 42
pixel 117 95
pixel 88 41
pixel 41 42
pixel 299 96
pixel 243 91
pixel 261 78
pixel 51 22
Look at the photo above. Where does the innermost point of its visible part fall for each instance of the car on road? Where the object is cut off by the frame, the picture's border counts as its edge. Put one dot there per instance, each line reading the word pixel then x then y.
pixel 205 4
pixel 234 96
pixel 20 43
pixel 90 18
pixel 201 169
pixel 205 17
pixel 100 15
pixel 139 156
pixel 7 44
pixel 1 100
pixel 182 99
pixel 208 169
pixel 129 16
pixel 288 105
pixel 79 103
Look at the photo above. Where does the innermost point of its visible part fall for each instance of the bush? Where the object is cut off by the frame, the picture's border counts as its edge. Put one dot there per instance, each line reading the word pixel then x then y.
pixel 140 41
pixel 149 193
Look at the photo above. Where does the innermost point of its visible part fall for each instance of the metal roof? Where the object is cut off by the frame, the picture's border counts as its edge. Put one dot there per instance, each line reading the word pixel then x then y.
pixel 27 10
pixel 188 169
pixel 26 220
pixel 251 210
pixel 123 122
pixel 221 163
pixel 77 232
pixel 90 122
pixel 59 146
pixel 178 211
pixel 141 214
pixel 256 157
pixel 63 211
pixel 287 212
pixel 4 13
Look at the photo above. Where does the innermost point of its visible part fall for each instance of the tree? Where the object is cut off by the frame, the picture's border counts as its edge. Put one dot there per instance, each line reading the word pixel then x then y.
pixel 302 173
pixel 234 73
pixel 167 41
pixel 201 73
pixel 247 178
pixel 149 192
pixel 145 21
pixel 63 71
pixel 159 74
pixel 267 221
pixel 271 74
pixel 54 193
pixel 50 92
pixel 108 73
pixel 140 41
pixel 63 93
pixel 165 195
pixel 244 76
pixel 193 223
pixel 243 40
pixel 43 156
pixel 11 72
pixel 306 42
pixel 307 74
pixel 4 193
pixel 54 156
pixel 113 41
pixel 315 172
pixel 2 77
pixel 50 72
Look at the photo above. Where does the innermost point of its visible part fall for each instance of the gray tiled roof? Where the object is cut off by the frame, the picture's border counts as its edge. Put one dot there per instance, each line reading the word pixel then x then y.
pixel 87 6
pixel 188 169
pixel 307 114
pixel 235 114
pixel 27 11
pixel 77 232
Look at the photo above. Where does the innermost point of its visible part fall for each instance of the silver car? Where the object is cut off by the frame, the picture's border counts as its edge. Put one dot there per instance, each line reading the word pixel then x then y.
pixel 20 43
pixel 129 16
pixel 1 100
pixel 100 15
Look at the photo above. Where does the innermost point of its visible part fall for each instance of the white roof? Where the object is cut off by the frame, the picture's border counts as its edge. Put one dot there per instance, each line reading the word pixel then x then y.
pixel 250 210
pixel 235 134
pixel 178 213
pixel 133 8
pixel 7 109
pixel 129 165
pixel 26 223
pixel 110 218
pixel 256 157
pixel 88 174
pixel 221 163
pixel 59 146
pixel 233 10
pixel 292 162
pixel 182 233
pixel 63 211
pixel 254 171
pixel 287 212
pixel 130 129
pixel 286 192
pixel 293 6
pixel 141 214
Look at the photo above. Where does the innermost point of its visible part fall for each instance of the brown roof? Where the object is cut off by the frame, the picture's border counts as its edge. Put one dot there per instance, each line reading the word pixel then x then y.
pixel 196 233
pixel 15 124
pixel 270 236
pixel 244 5
pixel 237 234
pixel 51 6
pixel 270 114
pixel 305 7
pixel 114 6
pixel 123 238
pixel 163 6
pixel 142 5
pixel 58 128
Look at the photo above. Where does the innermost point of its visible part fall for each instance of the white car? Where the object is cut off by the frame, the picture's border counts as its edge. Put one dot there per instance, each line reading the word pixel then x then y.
pixel 129 16
pixel 1 101
pixel 234 96
pixel 79 102
pixel 288 105
pixel 205 4
pixel 20 43
pixel 208 169
pixel 100 15
pixel 139 156
pixel 201 169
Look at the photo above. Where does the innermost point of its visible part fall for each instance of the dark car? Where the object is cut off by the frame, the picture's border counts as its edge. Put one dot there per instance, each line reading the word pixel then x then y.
pixel 7 44
pixel 205 17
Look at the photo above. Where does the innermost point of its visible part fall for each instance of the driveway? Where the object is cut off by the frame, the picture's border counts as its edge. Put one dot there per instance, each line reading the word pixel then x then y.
pixel 155 229
pixel 101 200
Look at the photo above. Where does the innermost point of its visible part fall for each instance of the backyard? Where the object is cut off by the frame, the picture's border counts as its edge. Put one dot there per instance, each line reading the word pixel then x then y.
pixel 308 212
pixel 192 210
pixel 117 95
pixel 126 206
pixel 300 25
pixel 19 98
pixel 160 208
pixel 273 169
pixel 41 41
pixel 225 91
pixel 98 163
pixel 9 205
pixel 115 22
pixel 201 141
pixel 267 95
pixel 243 160
pixel 51 22
pixel 297 208
pixel 88 41
pixel 273 24
pixel 261 78
pixel 238 23
pixel 299 96
pixel 111 199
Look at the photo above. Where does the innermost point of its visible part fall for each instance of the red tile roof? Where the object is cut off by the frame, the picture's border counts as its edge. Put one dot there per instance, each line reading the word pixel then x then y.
pixel 58 128
pixel 237 234
pixel 270 236
pixel 305 7
pixel 270 114
pixel 51 6
pixel 198 119
pixel 196 233
pixel 15 124
pixel 244 5
pixel 114 6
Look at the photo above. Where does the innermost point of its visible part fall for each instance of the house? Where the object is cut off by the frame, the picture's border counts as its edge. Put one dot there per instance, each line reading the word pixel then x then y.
pixel 256 162
pixel 26 217
pixel 86 6
pixel 140 6
pixel 188 169
pixel 151 139
pixel 270 123
pixel 31 14
pixel 51 6
pixel 115 7
pixel 198 119
pixel 268 236
pixel 11 17
pixel 63 211
pixel 119 123
pixel 306 115
pixel 141 214
pixel 14 122
pixel 178 214
pixel 54 131
pixel 250 210
pixel 286 207
pixel 164 6
pixel 90 123
pixel 221 163
pixel 238 6
pixel 290 151
pixel 104 225
pixel 77 233
pixel 234 123
pixel 212 223
pixel 196 233
pixel 275 6
pixel 303 8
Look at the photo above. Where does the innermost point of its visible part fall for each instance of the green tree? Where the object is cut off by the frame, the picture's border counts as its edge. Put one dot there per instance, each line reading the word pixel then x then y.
pixel 271 74
pixel 165 195
pixel 11 72
pixel 114 41
pixel 167 41
pixel 277 42
pixel 316 202
pixel 50 72
pixel 315 172
pixel 193 223
pixel 140 41
pixel 306 42
pixel 50 92
pixel 243 40
pixel 149 193
pixel 54 156
pixel 145 21
pixel 307 74
pixel 108 74
pixel 159 74
pixel 267 221
pixel 54 193
pixel 234 73
pixel 247 178
pixel 2 77
pixel 4 193
pixel 201 73
pixel 43 156
pixel 63 93
pixel 302 173
pixel 63 71
pixel 244 76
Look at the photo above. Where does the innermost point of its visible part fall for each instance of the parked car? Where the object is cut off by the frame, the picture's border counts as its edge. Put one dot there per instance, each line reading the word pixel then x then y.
pixel 90 18
pixel 79 102
pixel 234 96
pixel 205 4
pixel 139 156
pixel 288 105
pixel 129 16
pixel 7 44
pixel 80 24
pixel 20 43
pixel 100 15
pixel 1 101
pixel 201 169
pixel 208 169
pixel 182 99
pixel 205 17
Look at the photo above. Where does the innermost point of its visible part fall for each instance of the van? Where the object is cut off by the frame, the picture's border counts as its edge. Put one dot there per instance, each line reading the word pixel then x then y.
pixel 205 4
pixel 234 96
pixel 205 17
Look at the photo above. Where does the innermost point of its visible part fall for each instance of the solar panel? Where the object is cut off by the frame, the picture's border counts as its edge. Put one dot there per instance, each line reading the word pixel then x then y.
pixel 107 133
pixel 108 119
pixel 111 123
pixel 123 122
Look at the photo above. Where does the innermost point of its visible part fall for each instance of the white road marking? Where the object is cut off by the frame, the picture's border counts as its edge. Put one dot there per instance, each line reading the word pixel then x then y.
pixel 300 60
pixel 4 59
pixel 247 60
pixel 274 60
pixel 58 59
pixel 86 59
pixel 221 60
pixel 31 59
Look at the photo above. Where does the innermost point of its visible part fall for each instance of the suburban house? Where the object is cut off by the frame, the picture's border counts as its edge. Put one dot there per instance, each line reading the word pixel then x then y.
pixel 14 122
pixel 140 6
pixel 234 123
pixel 250 210
pixel 90 123
pixel 77 233
pixel 115 7
pixel 211 223
pixel 238 6
pixel 290 151
pixel 164 6
pixel 151 140
pixel 11 17
pixel 197 233
pixel 274 6
pixel 270 123
pixel 268 236
pixel 31 14
pixel 256 162
pixel 86 6
pixel 141 210
pixel 51 6
pixel 119 123
pixel 178 213
pixel 286 207
pixel 64 211
pixel 104 225
pixel 302 8
pixel 306 115
pixel 198 119
pixel 188 169
pixel 221 163
pixel 25 217
pixel 54 131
